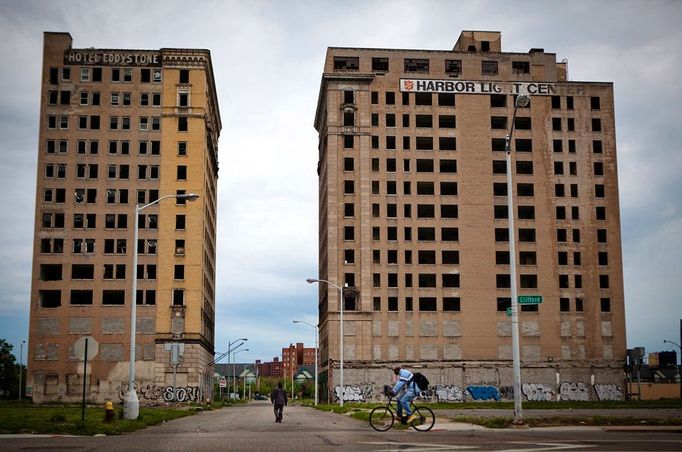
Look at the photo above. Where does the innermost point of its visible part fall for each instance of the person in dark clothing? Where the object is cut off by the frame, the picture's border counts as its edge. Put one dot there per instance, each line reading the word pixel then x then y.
pixel 279 399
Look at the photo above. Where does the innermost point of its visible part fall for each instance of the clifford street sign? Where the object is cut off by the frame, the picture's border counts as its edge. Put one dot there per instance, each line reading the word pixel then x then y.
pixel 530 299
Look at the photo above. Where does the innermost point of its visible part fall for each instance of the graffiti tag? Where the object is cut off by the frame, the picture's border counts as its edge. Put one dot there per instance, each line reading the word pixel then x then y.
pixel 537 392
pixel 574 391
pixel 448 393
pixel 167 393
pixel 484 392
pixel 354 393
pixel 608 392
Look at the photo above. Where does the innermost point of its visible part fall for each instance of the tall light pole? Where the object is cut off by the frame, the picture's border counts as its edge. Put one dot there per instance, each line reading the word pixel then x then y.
pixel 21 366
pixel 521 101
pixel 228 352
pixel 131 404
pixel 311 281
pixel 234 377
pixel 317 337
pixel 679 368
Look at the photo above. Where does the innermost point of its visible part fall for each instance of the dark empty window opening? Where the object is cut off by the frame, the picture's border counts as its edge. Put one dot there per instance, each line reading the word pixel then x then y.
pixel 498 100
pixel 524 145
pixel 529 281
pixel 448 166
pixel 423 121
pixel 525 190
pixel 498 144
pixel 526 235
pixel 451 304
pixel 346 63
pixel 427 303
pixel 348 119
pixel 502 281
pixel 423 99
pixel 348 97
pixel 50 272
pixel 522 123
pixel 449 234
pixel 113 297
pixel 380 64
pixel 524 167
pixel 595 103
pixel 82 271
pixel 503 303
pixel 348 141
pixel 526 212
pixel 446 99
pixel 50 298
pixel 447 143
pixel 450 280
pixel 184 75
pixel 502 258
pixel 498 122
pixel 81 297
pixel 426 234
pixel 448 188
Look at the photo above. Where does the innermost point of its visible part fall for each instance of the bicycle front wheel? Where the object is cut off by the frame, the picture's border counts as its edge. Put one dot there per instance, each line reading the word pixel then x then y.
pixel 381 418
pixel 425 419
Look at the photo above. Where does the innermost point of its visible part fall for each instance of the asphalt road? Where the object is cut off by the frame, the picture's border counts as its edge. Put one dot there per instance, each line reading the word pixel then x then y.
pixel 251 427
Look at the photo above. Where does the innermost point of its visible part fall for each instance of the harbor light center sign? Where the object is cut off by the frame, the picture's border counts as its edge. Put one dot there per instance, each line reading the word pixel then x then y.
pixel 477 87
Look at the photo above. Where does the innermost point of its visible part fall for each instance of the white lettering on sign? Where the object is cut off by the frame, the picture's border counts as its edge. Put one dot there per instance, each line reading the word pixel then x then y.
pixel 112 58
pixel 477 87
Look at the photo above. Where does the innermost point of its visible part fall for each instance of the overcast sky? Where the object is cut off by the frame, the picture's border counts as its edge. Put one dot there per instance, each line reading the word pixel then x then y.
pixel 268 58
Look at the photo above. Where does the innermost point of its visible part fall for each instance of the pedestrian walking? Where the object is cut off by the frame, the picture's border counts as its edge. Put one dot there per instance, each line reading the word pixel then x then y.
pixel 279 399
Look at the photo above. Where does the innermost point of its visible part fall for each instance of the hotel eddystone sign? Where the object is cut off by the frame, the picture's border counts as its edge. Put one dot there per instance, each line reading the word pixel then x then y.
pixel 113 57
pixel 477 87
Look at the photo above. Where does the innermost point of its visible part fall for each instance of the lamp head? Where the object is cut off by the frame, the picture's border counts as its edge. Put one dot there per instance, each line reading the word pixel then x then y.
pixel 188 196
pixel 522 101
pixel 311 280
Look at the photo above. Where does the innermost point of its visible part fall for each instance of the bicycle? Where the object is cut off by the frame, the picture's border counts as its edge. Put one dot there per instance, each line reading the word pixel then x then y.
pixel 382 418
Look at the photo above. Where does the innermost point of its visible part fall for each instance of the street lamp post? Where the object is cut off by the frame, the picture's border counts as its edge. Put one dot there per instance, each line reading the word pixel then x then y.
pixel 679 368
pixel 131 403
pixel 317 336
pixel 311 281
pixel 234 377
pixel 521 101
pixel 21 366
pixel 228 352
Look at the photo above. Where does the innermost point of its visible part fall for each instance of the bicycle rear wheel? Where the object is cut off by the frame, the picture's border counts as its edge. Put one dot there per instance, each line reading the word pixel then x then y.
pixel 425 419
pixel 381 418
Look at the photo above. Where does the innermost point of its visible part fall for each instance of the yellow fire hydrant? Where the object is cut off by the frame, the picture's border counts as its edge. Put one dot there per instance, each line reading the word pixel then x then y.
pixel 109 411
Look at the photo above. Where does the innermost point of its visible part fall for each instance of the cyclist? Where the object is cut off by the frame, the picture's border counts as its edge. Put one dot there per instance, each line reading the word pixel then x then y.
pixel 410 391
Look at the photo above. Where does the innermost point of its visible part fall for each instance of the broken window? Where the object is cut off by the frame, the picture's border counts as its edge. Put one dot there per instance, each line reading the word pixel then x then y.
pixel 524 145
pixel 596 125
pixel 182 172
pixel 556 102
pixel 349 256
pixel 178 297
pixel 349 119
pixel 423 121
pixel 556 124
pixel 349 233
pixel 499 189
pixel 390 98
pixel 453 67
pixel 179 271
pixel 342 63
pixel 603 281
pixel 182 124
pixel 425 188
pixel 528 281
pixel 390 165
pixel 520 67
pixel 425 211
pixel 380 64
pixel 416 65
pixel 603 257
pixel 503 304
pixel 447 143
pixel 427 280
pixel 601 212
pixel 184 75
pixel 348 141
pixel 448 188
pixel 570 124
pixel 595 103
pixel 426 257
pixel 424 165
pixel 599 191
pixel 560 212
pixel 82 271
pixel 561 235
pixel 348 187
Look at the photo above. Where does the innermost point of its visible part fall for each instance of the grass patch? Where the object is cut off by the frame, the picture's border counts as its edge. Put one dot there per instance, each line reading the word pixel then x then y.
pixel 66 419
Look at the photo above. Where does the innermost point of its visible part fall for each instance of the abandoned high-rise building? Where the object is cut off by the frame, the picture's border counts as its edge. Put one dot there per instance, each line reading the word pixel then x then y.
pixel 120 128
pixel 413 221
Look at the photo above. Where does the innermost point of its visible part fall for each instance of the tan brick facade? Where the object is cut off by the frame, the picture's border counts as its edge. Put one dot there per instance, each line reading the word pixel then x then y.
pixel 120 128
pixel 413 217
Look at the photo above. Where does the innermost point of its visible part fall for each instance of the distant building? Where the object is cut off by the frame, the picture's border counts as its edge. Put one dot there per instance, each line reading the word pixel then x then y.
pixel 120 128
pixel 295 356
pixel 413 219
pixel 270 369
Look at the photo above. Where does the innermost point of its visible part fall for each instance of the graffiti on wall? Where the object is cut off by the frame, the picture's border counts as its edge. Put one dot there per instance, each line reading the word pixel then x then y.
pixel 537 392
pixel 574 391
pixel 166 393
pixel 448 393
pixel 359 393
pixel 608 392
pixel 484 392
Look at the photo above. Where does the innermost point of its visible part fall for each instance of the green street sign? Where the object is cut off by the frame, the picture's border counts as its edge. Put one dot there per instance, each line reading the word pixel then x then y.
pixel 530 299
pixel 508 312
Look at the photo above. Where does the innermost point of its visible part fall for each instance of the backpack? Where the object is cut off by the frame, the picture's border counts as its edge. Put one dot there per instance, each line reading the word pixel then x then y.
pixel 421 381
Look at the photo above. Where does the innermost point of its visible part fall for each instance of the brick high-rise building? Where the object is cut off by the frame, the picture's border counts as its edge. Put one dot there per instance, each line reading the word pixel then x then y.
pixel 120 128
pixel 413 219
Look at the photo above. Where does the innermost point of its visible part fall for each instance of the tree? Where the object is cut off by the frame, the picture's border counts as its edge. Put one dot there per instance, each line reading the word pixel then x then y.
pixel 9 373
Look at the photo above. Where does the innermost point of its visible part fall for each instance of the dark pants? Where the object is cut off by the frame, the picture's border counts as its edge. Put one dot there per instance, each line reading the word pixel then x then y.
pixel 278 412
